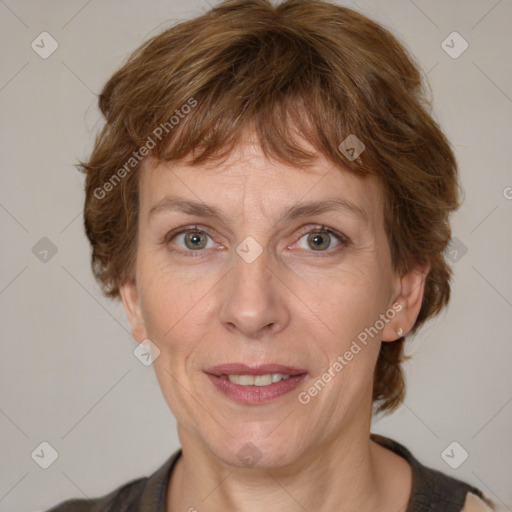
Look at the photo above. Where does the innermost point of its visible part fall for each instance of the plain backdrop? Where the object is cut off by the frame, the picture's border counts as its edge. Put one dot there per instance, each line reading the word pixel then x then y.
pixel 68 375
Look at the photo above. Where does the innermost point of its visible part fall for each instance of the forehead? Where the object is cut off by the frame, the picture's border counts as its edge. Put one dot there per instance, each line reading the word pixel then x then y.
pixel 247 178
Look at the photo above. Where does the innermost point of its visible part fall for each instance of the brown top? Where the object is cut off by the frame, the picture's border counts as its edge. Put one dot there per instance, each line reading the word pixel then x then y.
pixel 432 491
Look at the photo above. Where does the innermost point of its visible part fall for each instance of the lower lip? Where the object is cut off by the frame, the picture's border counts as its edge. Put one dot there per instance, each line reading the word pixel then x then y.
pixel 256 394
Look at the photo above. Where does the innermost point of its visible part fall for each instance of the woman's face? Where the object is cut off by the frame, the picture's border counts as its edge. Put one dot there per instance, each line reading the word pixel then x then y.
pixel 259 281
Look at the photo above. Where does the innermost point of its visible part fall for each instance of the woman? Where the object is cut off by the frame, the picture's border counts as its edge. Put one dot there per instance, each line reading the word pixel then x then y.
pixel 270 198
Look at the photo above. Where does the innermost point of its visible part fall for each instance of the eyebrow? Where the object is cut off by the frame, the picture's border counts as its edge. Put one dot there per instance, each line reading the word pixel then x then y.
pixel 295 212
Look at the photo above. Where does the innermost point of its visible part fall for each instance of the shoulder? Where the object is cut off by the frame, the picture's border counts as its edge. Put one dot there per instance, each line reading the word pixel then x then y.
pixel 474 504
pixel 434 490
pixel 119 500
pixel 146 493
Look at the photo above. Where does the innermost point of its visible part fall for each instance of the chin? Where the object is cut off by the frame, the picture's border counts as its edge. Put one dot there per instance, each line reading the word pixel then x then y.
pixel 256 451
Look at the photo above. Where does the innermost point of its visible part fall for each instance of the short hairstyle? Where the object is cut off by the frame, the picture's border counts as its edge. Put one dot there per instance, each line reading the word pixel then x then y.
pixel 303 67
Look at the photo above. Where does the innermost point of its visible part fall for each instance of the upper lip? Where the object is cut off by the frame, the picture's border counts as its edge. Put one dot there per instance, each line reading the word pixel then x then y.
pixel 245 369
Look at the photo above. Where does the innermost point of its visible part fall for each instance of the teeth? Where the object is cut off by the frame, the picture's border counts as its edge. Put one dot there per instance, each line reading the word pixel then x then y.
pixel 257 380
pixel 245 380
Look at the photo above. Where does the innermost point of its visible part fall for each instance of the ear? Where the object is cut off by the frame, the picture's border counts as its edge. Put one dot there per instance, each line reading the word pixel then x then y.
pixel 131 303
pixel 407 303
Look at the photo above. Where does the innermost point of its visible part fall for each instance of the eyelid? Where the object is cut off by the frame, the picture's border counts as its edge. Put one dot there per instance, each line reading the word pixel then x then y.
pixel 321 227
pixel 343 239
pixel 183 229
pixel 188 229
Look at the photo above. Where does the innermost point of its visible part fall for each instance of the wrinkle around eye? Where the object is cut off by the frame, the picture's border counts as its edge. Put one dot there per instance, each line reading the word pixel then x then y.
pixel 175 243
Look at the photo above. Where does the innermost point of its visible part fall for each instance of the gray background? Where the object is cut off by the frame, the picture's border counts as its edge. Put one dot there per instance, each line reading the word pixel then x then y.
pixel 68 374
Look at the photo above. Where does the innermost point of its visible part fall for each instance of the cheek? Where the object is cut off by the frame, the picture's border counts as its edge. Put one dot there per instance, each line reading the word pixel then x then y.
pixel 346 299
pixel 175 309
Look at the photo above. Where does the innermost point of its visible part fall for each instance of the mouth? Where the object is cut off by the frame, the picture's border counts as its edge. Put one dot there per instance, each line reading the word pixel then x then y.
pixel 255 384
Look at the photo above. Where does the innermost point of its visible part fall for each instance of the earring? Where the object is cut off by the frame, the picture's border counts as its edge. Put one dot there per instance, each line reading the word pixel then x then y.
pixel 399 332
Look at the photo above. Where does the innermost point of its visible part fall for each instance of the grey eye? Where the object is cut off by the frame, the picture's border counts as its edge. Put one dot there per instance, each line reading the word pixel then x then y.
pixel 195 240
pixel 318 240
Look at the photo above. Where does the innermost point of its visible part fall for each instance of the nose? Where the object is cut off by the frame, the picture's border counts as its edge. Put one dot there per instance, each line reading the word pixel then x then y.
pixel 254 301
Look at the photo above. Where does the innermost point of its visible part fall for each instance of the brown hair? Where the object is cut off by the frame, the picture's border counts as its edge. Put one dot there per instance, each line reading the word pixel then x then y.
pixel 302 67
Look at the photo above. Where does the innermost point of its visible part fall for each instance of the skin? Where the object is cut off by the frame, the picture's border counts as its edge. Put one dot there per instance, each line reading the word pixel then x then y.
pixel 293 305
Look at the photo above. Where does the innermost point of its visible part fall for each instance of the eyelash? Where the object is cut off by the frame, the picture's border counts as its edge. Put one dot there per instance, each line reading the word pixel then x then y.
pixel 343 239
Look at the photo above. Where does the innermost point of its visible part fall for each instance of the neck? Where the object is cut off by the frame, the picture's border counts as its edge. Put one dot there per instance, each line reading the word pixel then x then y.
pixel 350 473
